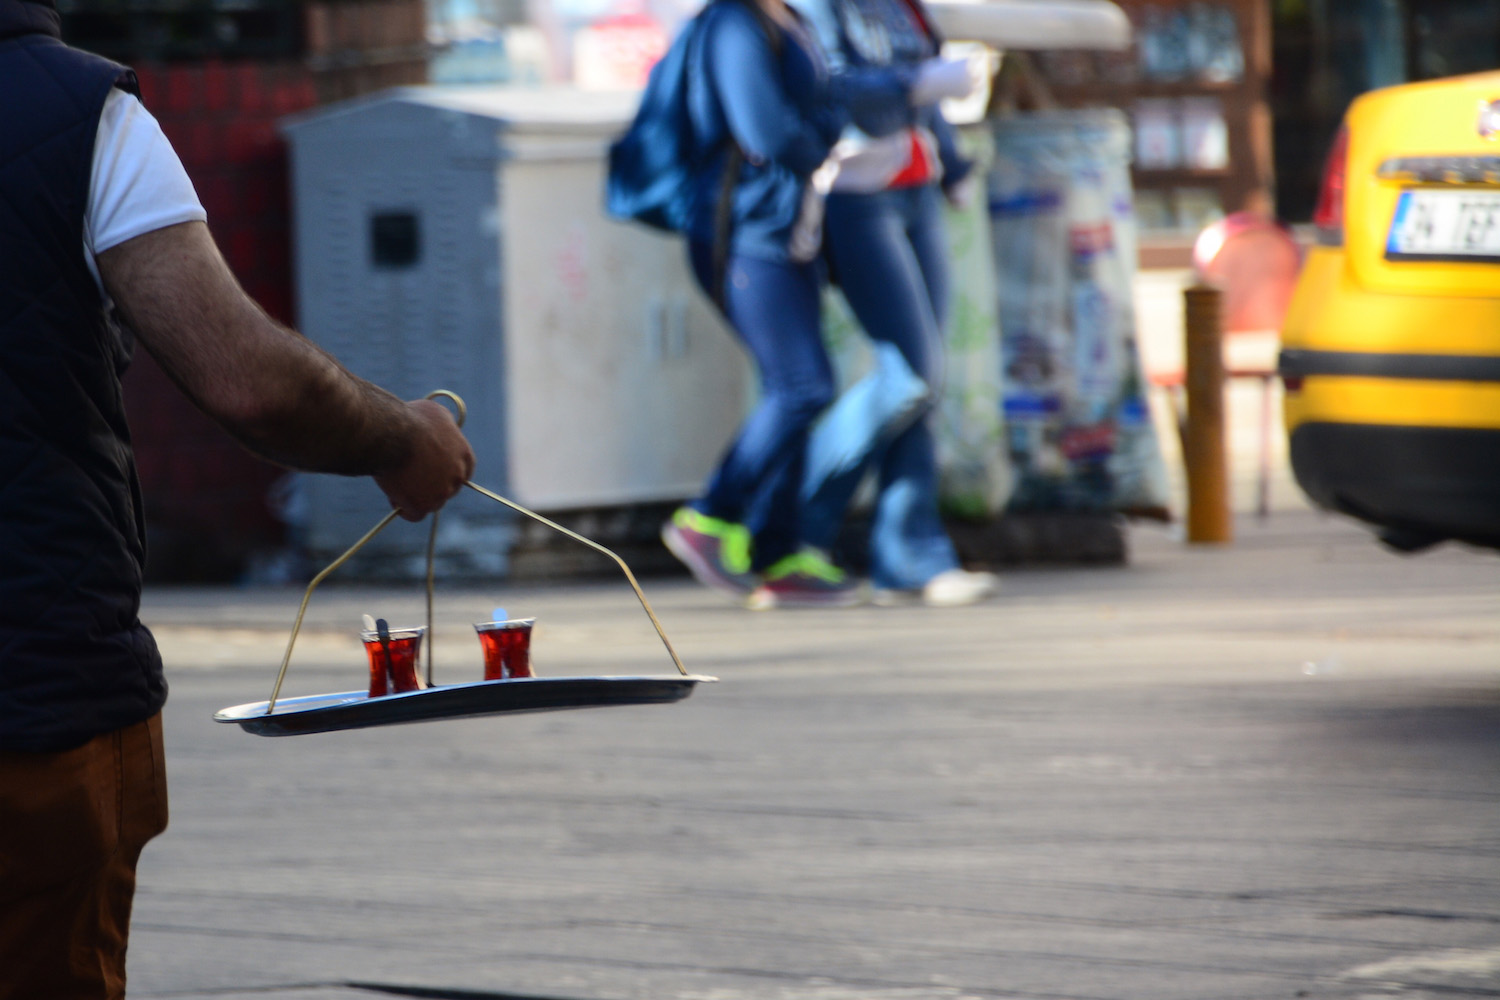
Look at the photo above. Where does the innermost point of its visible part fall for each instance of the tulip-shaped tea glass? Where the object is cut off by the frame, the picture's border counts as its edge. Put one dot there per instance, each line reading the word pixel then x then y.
pixel 507 648
pixel 393 660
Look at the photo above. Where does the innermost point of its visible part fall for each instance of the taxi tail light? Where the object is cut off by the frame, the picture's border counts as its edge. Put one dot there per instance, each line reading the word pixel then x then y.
pixel 1328 217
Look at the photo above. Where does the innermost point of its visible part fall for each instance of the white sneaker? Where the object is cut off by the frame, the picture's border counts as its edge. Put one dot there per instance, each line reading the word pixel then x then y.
pixel 950 589
pixel 957 587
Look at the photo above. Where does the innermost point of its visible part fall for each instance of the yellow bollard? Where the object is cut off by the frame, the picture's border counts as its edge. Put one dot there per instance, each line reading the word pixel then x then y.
pixel 1204 449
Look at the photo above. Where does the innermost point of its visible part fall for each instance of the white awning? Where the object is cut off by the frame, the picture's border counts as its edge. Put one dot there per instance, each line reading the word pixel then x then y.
pixel 1034 24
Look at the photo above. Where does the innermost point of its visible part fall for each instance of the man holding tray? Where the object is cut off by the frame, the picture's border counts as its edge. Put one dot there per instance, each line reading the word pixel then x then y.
pixel 99 224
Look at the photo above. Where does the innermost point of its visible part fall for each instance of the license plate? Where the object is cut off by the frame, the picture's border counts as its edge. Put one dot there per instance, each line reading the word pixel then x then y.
pixel 1446 225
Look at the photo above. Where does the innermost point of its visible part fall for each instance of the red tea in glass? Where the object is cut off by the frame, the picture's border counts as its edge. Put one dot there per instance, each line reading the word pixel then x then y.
pixel 507 648
pixel 393 664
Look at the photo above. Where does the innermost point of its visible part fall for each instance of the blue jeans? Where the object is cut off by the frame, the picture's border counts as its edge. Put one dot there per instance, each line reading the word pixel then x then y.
pixel 775 309
pixel 890 256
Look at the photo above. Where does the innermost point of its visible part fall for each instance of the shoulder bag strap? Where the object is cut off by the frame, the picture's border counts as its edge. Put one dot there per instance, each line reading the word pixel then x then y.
pixel 734 160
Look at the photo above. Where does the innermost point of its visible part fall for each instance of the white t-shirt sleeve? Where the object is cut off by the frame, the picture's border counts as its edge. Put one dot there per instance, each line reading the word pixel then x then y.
pixel 138 184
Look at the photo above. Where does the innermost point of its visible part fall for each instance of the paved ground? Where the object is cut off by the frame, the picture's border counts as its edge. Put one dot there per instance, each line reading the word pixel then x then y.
pixel 1267 770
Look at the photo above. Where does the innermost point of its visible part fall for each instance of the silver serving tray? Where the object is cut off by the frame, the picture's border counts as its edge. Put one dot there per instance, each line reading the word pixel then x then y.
pixel 325 713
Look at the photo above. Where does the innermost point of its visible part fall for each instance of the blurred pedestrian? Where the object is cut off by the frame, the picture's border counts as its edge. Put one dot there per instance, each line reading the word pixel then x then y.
pixel 763 123
pixel 101 224
pixel 887 248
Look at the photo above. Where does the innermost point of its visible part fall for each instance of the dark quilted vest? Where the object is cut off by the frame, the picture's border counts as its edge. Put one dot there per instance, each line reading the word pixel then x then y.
pixel 75 661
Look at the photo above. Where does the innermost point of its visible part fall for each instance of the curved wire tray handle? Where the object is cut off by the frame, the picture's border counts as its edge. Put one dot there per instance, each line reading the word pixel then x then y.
pixel 431 550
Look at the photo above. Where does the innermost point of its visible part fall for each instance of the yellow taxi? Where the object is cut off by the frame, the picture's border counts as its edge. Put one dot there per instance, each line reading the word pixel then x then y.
pixel 1391 343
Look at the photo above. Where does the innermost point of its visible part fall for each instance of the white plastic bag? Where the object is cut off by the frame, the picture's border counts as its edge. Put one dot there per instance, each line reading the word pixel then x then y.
pixel 973 468
pixel 1076 413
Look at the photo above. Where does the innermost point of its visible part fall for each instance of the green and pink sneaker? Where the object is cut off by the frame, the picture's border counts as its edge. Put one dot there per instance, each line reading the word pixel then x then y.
pixel 716 551
pixel 804 579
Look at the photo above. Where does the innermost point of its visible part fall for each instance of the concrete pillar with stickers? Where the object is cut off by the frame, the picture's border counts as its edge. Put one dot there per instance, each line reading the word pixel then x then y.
pixel 1045 440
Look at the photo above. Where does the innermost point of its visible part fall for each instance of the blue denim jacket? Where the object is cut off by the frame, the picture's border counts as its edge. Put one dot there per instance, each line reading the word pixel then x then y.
pixel 779 109
pixel 874 48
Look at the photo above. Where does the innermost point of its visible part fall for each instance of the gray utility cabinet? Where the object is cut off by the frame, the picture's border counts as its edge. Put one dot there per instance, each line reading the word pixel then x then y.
pixel 455 238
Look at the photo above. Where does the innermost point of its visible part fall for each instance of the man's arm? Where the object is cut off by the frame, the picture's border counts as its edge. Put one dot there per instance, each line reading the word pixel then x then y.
pixel 274 390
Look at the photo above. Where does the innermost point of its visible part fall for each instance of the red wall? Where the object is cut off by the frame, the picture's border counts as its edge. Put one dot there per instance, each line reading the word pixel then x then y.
pixel 206 498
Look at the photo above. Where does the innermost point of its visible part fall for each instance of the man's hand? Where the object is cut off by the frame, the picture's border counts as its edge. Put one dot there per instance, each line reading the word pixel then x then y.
pixel 437 467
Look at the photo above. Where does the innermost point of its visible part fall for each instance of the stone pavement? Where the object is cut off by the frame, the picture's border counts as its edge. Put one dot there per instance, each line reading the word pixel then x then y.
pixel 1265 770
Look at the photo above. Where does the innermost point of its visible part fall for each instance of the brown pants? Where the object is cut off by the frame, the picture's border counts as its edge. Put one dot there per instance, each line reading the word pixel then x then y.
pixel 72 826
